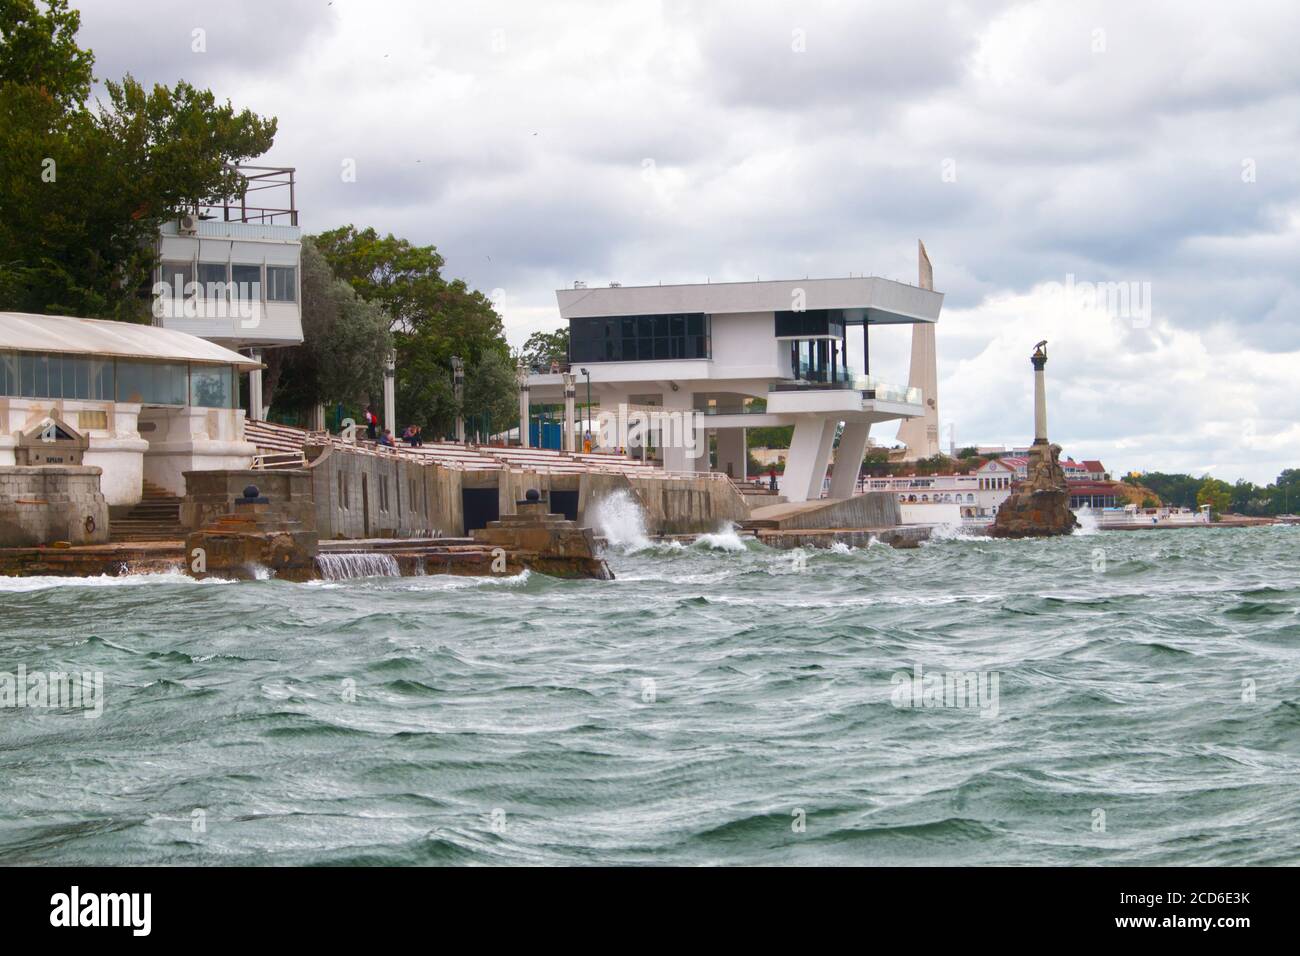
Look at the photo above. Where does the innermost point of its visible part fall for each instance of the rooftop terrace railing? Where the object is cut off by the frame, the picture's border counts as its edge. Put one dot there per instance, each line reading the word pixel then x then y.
pixel 278 180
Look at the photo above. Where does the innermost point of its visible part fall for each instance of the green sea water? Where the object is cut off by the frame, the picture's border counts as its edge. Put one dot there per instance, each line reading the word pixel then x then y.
pixel 717 703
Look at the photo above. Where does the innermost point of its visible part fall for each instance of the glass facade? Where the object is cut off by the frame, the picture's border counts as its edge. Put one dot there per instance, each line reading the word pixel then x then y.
pixel 41 375
pixel 640 338
pixel 281 284
pixel 810 323
pixel 212 279
pixel 54 375
pixel 212 386
pixel 152 383
pixel 236 281
pixel 245 282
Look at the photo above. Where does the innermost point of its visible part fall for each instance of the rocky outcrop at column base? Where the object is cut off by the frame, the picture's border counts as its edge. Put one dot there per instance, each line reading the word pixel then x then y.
pixel 1040 507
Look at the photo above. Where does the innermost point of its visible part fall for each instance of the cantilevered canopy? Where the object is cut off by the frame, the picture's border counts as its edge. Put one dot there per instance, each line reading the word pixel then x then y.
pixel 862 299
pixel 25 332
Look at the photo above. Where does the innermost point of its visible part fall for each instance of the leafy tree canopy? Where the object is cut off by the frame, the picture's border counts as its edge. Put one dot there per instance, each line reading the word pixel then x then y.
pixel 1216 493
pixel 345 343
pixel 83 191
pixel 543 348
pixel 432 319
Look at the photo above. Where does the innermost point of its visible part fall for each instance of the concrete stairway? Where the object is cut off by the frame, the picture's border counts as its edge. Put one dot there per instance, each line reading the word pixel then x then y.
pixel 156 518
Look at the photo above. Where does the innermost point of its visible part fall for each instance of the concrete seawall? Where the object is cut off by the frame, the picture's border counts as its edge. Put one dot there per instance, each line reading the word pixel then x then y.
pixel 41 504
pixel 876 509
pixel 688 505
pixel 359 494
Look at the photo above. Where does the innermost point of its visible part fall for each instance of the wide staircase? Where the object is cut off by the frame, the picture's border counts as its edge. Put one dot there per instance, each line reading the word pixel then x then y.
pixel 156 518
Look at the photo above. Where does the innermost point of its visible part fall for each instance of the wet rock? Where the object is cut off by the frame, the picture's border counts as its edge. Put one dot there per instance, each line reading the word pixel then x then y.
pixel 1040 507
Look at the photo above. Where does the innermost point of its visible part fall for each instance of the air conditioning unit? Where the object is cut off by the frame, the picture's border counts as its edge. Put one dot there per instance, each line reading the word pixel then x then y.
pixel 188 224
pixel 616 285
pixel 579 284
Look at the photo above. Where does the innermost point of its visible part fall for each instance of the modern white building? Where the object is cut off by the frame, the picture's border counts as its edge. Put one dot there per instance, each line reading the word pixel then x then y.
pixel 742 355
pixel 231 272
pixel 152 403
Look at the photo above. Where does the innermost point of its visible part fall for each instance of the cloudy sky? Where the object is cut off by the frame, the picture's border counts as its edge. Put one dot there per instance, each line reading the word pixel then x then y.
pixel 1122 179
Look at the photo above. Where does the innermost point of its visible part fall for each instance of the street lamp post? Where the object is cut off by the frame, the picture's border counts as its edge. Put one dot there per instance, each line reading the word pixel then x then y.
pixel 458 391
pixel 587 427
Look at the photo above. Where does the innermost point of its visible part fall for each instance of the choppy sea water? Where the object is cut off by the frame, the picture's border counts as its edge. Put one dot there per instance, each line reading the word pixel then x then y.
pixel 718 703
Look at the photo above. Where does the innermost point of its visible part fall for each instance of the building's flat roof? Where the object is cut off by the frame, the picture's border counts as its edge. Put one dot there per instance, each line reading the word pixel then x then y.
pixel 872 298
pixel 26 332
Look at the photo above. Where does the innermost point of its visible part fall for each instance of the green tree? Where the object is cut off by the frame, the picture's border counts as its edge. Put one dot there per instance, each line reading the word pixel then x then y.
pixel 1176 490
pixel 39 51
pixel 543 348
pixel 431 319
pixel 1216 493
pixel 876 462
pixel 491 396
pixel 345 343
pixel 770 436
pixel 82 191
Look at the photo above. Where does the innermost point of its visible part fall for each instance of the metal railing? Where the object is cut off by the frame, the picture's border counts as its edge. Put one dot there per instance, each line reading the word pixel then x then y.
pixel 256 179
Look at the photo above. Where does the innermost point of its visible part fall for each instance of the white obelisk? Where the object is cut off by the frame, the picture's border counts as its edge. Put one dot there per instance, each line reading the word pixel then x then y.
pixel 921 435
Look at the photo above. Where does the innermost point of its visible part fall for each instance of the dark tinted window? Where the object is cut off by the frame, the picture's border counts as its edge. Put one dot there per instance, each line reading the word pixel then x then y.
pixel 639 338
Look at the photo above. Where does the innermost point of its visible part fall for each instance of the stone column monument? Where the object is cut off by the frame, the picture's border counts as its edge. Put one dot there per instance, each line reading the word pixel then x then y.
pixel 1040 506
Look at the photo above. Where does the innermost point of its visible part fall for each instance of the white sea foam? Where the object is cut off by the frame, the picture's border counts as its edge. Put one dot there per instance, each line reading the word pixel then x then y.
pixel 724 540
pixel 619 520
pixel 42 582
pixel 457 582
pixel 1089 522
pixel 954 532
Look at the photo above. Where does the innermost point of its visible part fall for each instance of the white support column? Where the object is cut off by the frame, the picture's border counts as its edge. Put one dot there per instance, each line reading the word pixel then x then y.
pixel 255 410
pixel 390 392
pixel 731 452
pixel 702 462
pixel 673 440
pixel 848 459
pixel 521 378
pixel 810 453
pixel 570 418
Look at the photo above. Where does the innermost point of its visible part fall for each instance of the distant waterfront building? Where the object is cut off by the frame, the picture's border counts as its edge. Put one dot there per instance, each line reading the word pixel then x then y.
pixel 1086 493
pixel 972 496
pixel 1019 464
pixel 999 474
pixel 741 355
pixel 150 403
